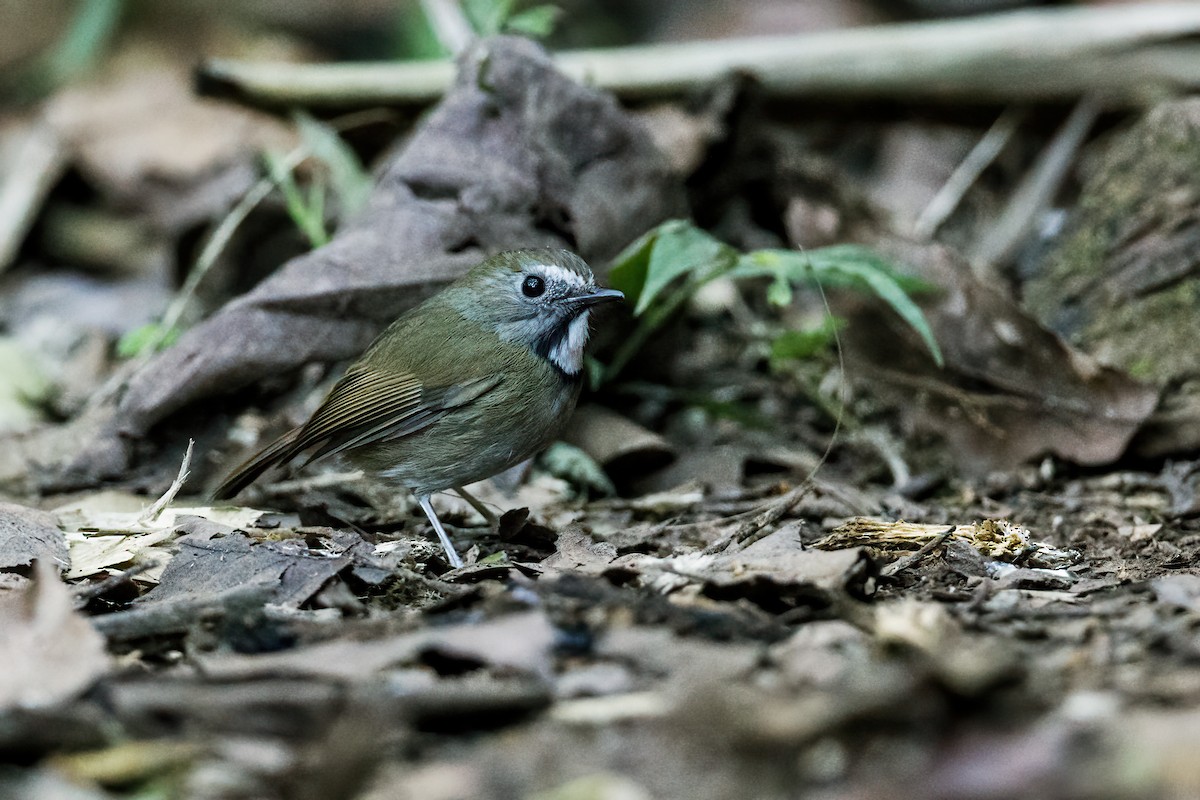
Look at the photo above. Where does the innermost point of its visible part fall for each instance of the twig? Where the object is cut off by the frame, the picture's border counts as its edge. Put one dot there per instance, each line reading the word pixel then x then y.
pixel 322 481
pixel 153 511
pixel 911 560
pixel 748 532
pixel 1036 189
pixel 84 593
pixel 1049 53
pixel 964 176
pixel 32 166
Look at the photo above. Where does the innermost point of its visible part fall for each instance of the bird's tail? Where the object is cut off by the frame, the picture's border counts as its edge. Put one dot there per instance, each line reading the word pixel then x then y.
pixel 279 451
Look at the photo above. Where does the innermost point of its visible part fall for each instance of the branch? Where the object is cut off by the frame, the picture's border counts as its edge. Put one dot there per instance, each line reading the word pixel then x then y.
pixel 1120 54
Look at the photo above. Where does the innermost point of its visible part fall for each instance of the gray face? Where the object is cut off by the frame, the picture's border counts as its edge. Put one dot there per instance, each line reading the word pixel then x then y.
pixel 540 298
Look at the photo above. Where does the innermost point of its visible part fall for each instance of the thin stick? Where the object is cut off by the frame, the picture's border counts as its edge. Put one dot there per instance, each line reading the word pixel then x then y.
pixel 1036 189
pixel 964 176
pixel 1048 53
pixel 33 166
pixel 901 564
pixel 161 503
pixel 220 238
pixel 474 502
pixel 213 247
pixel 749 532
pixel 85 592
pixel 323 481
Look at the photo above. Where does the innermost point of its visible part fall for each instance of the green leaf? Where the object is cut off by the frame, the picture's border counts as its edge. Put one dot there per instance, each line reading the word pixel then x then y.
pixel 414 37
pixel 488 16
pixel 351 182
pixel 629 268
pixel 779 293
pixel 537 22
pixel 572 464
pixel 889 291
pixel 91 29
pixel 849 266
pixel 135 342
pixel 675 249
pixel 798 345
pixel 823 264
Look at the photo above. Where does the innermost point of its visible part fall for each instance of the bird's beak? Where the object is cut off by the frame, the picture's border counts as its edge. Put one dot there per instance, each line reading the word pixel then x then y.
pixel 597 296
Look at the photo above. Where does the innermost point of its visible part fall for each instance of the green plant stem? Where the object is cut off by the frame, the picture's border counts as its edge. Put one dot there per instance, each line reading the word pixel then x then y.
pixel 648 323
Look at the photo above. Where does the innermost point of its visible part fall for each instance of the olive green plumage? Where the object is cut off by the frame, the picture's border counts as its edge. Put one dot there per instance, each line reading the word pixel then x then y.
pixel 473 381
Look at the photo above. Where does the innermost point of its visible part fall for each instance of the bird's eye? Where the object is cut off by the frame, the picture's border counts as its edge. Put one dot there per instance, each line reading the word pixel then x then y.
pixel 533 286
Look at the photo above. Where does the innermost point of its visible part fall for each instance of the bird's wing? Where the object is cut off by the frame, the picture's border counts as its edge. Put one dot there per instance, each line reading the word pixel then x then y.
pixel 367 405
pixel 370 405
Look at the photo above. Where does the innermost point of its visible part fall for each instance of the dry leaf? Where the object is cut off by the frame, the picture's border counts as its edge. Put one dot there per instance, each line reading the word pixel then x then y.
pixel 51 652
pixel 1010 391
pixel 27 534
pixel 107 530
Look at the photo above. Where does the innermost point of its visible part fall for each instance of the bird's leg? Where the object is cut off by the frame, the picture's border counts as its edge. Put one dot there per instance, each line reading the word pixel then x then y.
pixel 492 520
pixel 451 556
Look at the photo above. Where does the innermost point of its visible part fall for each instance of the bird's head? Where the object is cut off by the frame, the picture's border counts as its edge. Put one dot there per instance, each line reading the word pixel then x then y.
pixel 541 298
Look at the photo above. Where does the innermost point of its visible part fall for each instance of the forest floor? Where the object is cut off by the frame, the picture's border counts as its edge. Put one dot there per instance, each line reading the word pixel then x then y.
pixel 883 486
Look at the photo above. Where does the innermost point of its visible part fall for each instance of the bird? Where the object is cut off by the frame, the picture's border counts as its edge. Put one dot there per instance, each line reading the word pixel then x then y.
pixel 476 379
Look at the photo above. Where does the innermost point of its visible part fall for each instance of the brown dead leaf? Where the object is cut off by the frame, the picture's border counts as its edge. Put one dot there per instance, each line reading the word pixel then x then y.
pixel 781 559
pixel 107 530
pixel 775 572
pixel 27 534
pixel 625 449
pixel 967 664
pixel 575 551
pixel 521 642
pixel 143 127
pixel 214 560
pixel 51 652
pixel 1010 391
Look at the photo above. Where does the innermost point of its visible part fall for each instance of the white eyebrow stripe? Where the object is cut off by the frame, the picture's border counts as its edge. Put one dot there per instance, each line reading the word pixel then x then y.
pixel 555 272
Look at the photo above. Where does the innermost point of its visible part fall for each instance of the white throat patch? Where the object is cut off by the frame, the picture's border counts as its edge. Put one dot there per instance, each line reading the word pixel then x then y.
pixel 567 352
